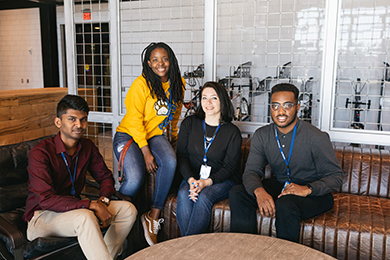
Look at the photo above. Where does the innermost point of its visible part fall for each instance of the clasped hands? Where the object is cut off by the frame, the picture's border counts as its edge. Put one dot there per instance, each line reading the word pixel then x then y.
pixel 101 211
pixel 266 203
pixel 196 186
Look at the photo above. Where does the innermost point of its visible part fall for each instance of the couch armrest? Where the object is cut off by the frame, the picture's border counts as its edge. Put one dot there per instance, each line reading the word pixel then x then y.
pixel 15 236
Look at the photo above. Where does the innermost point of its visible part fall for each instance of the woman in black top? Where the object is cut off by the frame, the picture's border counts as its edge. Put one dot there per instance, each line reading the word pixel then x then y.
pixel 208 149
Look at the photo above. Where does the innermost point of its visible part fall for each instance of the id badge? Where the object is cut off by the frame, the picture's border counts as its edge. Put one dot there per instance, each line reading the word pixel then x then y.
pixel 285 185
pixel 205 171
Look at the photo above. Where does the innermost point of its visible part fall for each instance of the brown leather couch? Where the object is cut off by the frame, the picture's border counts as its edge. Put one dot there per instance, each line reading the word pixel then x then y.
pixel 357 227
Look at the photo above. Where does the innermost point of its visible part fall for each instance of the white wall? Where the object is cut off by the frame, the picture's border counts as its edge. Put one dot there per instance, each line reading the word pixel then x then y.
pixel 20 32
pixel 180 24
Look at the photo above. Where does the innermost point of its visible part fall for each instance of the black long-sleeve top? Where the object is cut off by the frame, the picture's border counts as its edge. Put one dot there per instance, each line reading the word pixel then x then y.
pixel 222 155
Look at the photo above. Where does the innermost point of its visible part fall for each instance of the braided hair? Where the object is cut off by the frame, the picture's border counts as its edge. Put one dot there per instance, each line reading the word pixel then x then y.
pixel 154 81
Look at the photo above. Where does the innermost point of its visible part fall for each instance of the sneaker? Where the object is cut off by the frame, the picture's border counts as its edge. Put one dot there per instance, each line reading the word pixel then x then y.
pixel 151 228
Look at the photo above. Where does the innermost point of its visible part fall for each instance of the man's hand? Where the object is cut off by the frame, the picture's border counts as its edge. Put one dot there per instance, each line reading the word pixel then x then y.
pixel 265 202
pixel 150 163
pixel 101 211
pixel 295 189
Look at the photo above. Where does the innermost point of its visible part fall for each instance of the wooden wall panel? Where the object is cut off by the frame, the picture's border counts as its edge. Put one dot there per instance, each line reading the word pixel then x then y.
pixel 29 114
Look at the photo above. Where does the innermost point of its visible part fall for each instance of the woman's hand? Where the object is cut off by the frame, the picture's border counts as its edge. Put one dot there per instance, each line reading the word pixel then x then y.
pixel 150 163
pixel 196 186
pixel 193 195
pixel 203 184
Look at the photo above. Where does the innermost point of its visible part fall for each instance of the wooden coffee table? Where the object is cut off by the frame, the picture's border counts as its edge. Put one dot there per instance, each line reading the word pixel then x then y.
pixel 229 246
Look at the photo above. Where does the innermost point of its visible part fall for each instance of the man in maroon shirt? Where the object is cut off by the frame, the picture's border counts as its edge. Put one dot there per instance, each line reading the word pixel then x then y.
pixel 57 171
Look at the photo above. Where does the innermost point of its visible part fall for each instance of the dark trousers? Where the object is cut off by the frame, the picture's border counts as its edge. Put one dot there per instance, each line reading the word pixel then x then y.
pixel 290 210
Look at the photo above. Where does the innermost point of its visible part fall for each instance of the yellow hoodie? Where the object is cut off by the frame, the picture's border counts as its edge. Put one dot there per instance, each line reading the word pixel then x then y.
pixel 144 113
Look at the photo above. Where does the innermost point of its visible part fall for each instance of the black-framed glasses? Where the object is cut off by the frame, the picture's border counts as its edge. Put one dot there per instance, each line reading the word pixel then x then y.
pixel 286 106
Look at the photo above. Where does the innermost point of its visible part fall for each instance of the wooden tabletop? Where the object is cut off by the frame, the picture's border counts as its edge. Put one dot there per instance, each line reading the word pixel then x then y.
pixel 229 246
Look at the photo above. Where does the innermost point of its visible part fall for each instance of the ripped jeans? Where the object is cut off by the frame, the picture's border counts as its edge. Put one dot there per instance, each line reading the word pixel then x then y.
pixel 134 166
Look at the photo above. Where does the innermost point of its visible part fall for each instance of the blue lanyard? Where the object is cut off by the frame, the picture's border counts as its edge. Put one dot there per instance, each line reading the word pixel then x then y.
pixel 287 161
pixel 72 178
pixel 207 146
pixel 171 110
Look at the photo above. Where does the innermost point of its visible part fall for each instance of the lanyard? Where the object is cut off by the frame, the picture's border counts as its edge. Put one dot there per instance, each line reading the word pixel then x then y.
pixel 73 192
pixel 171 110
pixel 207 146
pixel 287 161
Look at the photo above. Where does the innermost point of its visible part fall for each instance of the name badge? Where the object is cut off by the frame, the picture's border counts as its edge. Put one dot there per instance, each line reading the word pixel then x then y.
pixel 285 185
pixel 205 171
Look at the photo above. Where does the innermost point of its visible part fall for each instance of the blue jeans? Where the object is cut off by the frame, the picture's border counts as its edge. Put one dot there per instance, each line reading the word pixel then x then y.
pixel 194 217
pixel 134 166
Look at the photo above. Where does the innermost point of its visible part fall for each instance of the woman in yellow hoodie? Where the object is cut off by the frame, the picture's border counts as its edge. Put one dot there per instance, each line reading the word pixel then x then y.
pixel 153 103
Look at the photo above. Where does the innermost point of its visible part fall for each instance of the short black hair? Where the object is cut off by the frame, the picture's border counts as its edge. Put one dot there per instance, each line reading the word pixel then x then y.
pixel 227 110
pixel 286 87
pixel 71 102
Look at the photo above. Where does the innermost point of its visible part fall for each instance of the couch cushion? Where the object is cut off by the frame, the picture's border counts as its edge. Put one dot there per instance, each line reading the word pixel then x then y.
pixel 357 227
pixel 14 161
pixel 13 196
pixel 14 175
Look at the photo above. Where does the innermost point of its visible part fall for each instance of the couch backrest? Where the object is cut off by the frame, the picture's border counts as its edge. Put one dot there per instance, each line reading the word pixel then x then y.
pixel 13 174
pixel 366 171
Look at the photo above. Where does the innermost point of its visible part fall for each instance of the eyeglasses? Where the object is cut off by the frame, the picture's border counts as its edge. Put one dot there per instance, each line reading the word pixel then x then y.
pixel 286 106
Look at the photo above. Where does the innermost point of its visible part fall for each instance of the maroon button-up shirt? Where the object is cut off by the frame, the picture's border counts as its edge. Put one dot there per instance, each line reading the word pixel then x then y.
pixel 49 181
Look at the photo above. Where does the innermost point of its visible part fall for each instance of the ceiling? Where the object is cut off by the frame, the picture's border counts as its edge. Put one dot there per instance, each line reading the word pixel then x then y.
pixel 22 2
pixel 16 4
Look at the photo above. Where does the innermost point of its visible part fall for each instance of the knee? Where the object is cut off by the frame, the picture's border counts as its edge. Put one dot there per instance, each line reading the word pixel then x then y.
pixel 286 207
pixel 85 218
pixel 167 157
pixel 183 193
pixel 204 202
pixel 130 187
pixel 128 212
pixel 170 161
pixel 235 193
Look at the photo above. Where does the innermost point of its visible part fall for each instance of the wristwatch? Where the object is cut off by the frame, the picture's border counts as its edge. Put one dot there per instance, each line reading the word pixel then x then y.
pixel 310 187
pixel 105 200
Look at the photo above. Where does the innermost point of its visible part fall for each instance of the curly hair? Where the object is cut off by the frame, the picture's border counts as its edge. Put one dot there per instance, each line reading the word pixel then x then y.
pixel 154 81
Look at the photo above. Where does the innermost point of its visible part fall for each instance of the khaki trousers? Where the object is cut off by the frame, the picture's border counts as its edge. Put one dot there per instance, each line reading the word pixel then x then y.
pixel 83 224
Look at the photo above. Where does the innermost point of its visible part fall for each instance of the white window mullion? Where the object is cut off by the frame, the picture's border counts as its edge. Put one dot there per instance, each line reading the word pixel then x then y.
pixel 210 40
pixel 329 62
pixel 70 46
pixel 115 63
